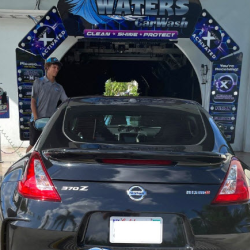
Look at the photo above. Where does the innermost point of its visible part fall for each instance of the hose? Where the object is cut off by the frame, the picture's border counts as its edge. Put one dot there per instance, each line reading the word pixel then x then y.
pixel 11 144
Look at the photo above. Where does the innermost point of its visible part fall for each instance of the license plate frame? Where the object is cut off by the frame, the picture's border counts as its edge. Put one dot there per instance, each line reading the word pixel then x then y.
pixel 137 230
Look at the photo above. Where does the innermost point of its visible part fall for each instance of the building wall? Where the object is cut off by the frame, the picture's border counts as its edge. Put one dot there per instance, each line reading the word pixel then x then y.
pixel 27 4
pixel 231 15
pixel 13 31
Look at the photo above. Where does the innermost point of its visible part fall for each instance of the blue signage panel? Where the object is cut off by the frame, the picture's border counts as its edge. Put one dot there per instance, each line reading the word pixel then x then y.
pixel 131 34
pixel 212 39
pixel 46 35
pixel 225 93
pixel 29 67
pixel 4 104
pixel 130 15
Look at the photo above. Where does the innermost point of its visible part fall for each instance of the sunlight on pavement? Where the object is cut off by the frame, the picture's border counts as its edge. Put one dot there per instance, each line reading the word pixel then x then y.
pixel 8 158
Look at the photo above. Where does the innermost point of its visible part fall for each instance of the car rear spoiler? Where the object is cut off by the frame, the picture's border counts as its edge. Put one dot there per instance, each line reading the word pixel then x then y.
pixel 184 157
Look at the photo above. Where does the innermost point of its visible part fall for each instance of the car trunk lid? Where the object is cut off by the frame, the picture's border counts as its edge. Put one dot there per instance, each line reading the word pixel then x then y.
pixel 136 166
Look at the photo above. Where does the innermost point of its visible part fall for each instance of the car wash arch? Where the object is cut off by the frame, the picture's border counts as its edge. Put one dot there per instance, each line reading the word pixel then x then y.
pixel 160 69
pixel 170 48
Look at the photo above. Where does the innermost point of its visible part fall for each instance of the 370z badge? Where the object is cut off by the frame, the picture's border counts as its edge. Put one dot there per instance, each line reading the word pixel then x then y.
pixel 81 188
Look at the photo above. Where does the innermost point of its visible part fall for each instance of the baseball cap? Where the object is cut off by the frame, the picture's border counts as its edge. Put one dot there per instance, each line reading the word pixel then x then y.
pixel 53 60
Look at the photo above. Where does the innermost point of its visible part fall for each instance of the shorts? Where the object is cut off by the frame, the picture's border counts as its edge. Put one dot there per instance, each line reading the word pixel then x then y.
pixel 34 134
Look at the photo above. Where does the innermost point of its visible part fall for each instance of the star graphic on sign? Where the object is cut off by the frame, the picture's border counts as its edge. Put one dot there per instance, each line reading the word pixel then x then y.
pixel 45 39
pixel 208 38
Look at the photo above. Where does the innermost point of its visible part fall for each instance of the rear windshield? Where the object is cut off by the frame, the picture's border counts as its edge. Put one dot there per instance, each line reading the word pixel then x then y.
pixel 152 125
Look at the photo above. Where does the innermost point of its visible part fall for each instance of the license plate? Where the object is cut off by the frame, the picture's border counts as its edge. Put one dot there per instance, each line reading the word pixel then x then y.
pixel 139 230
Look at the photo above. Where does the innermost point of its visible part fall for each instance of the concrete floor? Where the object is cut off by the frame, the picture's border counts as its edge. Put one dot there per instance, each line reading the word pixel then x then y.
pixel 8 157
pixel 244 156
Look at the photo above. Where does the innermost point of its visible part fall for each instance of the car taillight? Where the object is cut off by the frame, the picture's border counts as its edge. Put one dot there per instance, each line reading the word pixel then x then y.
pixel 136 162
pixel 235 187
pixel 36 183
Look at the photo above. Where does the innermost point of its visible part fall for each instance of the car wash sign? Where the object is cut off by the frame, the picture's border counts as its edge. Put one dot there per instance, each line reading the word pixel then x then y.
pixel 131 34
pixel 212 39
pixel 225 88
pixel 46 35
pixel 127 17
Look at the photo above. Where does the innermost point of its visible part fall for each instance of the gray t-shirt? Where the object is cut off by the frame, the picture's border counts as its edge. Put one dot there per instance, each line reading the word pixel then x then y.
pixel 47 95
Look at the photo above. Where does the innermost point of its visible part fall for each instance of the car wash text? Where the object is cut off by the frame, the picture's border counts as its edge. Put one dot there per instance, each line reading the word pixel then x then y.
pixel 143 7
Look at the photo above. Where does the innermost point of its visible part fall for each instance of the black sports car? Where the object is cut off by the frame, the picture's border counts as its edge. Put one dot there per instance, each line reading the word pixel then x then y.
pixel 127 173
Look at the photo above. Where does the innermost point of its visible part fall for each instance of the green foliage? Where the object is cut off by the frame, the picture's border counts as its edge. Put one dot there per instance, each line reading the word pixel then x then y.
pixel 133 91
pixel 120 89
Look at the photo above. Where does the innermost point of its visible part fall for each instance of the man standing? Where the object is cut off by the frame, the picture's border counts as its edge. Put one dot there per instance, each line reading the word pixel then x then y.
pixel 46 93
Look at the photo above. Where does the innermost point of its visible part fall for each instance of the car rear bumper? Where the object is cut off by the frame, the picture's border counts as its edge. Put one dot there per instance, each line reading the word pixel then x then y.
pixel 41 239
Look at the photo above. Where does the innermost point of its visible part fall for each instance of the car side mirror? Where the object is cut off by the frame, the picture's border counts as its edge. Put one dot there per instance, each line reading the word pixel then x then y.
pixel 40 123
